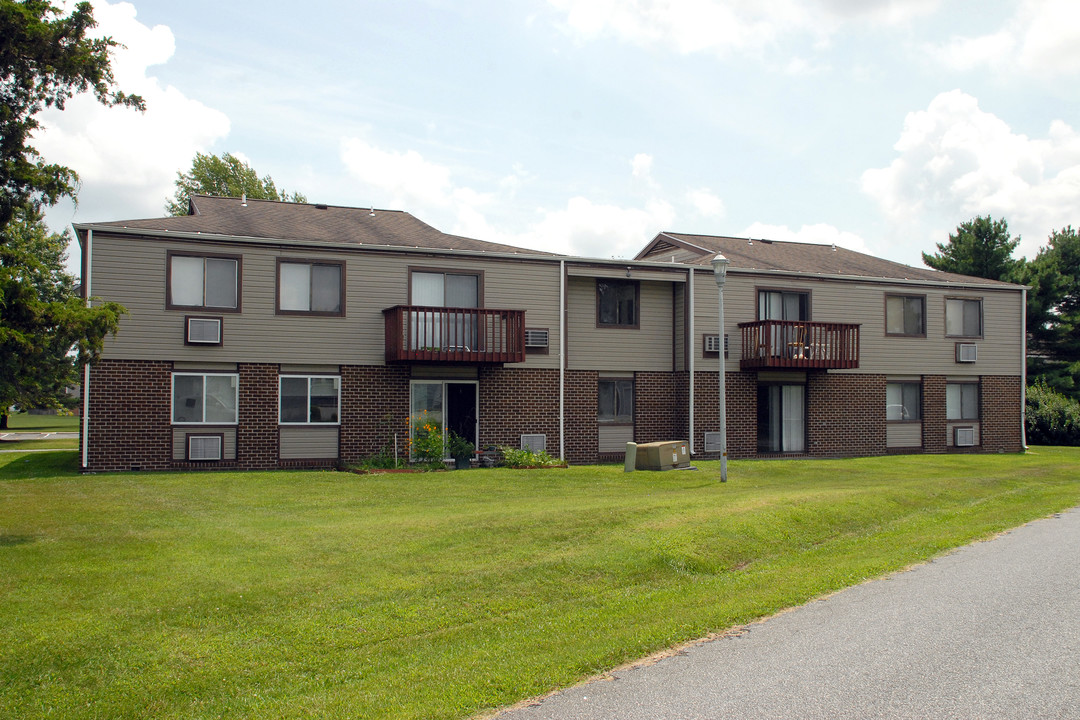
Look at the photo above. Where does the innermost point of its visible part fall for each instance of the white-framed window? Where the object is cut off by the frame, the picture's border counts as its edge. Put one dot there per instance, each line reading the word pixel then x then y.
pixel 905 315
pixel 309 400
pixel 205 398
pixel 963 317
pixel 615 404
pixel 962 401
pixel 311 287
pixel 197 281
pixel 903 401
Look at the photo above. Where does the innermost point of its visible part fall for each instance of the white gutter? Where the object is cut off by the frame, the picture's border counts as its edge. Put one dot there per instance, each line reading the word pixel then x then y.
pixel 88 264
pixel 689 349
pixel 1023 370
pixel 562 360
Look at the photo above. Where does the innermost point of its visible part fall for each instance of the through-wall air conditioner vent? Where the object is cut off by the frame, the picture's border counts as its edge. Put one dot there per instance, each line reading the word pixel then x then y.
pixel 712 442
pixel 712 343
pixel 203 331
pixel 534 443
pixel 964 436
pixel 536 337
pixel 204 447
pixel 967 352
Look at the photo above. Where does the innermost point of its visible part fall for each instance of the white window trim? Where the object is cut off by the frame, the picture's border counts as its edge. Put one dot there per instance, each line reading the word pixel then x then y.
pixel 309 422
pixel 172 398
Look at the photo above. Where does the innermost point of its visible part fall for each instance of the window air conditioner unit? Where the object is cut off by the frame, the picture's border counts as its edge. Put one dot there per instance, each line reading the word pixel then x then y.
pixel 204 447
pixel 712 442
pixel 967 352
pixel 534 443
pixel 964 436
pixel 712 344
pixel 203 331
pixel 536 338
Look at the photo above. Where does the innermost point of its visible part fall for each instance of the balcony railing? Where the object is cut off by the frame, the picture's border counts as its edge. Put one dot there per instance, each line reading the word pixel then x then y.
pixel 454 335
pixel 799 345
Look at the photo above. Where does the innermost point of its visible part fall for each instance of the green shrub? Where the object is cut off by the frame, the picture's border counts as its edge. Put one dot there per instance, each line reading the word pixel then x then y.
pixel 426 444
pixel 514 458
pixel 1052 418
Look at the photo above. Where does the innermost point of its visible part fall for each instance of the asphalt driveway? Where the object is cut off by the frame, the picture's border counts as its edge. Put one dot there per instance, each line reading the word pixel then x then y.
pixel 989 631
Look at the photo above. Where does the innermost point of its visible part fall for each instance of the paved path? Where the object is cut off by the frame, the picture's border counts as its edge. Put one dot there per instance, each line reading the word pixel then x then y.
pixel 17 435
pixel 989 631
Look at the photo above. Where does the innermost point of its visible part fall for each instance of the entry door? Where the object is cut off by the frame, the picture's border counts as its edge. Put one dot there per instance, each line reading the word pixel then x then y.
pixel 451 405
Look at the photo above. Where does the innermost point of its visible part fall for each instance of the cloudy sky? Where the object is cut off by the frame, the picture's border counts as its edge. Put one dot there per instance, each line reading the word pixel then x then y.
pixel 587 126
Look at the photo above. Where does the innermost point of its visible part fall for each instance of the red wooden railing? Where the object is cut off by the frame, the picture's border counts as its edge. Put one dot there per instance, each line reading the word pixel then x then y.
pixel 799 344
pixel 417 333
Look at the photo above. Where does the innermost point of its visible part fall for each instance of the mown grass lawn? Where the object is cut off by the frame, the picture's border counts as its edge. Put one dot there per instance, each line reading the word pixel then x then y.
pixel 440 595
pixel 25 422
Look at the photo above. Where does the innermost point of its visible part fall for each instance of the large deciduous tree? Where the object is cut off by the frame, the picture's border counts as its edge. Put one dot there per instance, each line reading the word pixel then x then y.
pixel 46 330
pixel 45 59
pixel 224 175
pixel 981 247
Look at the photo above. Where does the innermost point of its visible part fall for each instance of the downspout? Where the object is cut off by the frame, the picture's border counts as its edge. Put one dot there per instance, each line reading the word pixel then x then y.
pixel 562 359
pixel 1023 369
pixel 689 350
pixel 87 265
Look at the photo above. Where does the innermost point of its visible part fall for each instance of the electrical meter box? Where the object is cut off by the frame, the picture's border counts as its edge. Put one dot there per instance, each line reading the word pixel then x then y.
pixel 669 455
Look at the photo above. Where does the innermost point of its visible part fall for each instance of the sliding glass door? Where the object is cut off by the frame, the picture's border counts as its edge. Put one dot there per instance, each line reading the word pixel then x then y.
pixel 781 418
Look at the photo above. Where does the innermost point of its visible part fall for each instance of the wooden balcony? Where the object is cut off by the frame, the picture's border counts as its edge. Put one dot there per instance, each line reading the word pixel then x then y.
pixel 473 336
pixel 798 345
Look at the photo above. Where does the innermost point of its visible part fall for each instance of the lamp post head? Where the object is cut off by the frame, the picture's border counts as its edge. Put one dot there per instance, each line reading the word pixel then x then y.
pixel 719 268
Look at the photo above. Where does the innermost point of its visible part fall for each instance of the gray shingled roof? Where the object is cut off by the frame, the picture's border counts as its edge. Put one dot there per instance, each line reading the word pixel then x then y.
pixel 308 222
pixel 810 258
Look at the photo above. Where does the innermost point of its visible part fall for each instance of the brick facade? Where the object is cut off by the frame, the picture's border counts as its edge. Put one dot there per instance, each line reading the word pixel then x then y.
pixel 934 428
pixel 582 437
pixel 518 401
pixel 131 428
pixel 129 416
pixel 1000 414
pixel 374 406
pixel 845 415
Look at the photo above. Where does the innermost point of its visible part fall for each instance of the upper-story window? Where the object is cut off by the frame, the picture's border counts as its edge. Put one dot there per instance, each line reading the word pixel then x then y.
pixel 905 315
pixel 617 303
pixel 963 317
pixel 311 287
pixel 783 305
pixel 444 289
pixel 203 281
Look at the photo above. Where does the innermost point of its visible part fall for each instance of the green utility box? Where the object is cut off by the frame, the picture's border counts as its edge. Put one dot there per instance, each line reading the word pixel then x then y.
pixel 669 455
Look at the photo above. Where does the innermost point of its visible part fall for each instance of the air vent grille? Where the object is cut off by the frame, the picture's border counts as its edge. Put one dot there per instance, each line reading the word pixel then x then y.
pixel 204 331
pixel 536 337
pixel 204 447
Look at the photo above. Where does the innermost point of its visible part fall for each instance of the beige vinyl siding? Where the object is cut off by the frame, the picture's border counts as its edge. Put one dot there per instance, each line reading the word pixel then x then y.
pixel 308 443
pixel 613 438
pixel 179 445
pixel 648 347
pixel 902 435
pixel 131 271
pixel 679 301
pixel 952 424
pixel 740 305
pixel 864 304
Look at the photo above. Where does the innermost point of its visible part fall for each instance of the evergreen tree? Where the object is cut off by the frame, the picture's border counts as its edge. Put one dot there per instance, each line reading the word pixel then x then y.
pixel 981 247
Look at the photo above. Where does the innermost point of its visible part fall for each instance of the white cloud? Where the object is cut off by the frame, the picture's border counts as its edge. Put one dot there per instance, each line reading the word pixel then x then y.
pixel 597 230
pixel 127 159
pixel 1042 38
pixel 641 167
pixel 956 161
pixel 724 26
pixel 819 233
pixel 706 202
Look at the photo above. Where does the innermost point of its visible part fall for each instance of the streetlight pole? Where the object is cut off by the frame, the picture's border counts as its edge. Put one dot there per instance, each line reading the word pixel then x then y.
pixel 720 267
